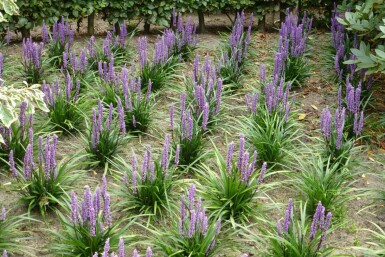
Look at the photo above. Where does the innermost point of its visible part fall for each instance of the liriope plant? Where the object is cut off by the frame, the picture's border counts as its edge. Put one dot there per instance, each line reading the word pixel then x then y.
pixel 88 226
pixel 231 64
pixel 270 127
pixel 163 67
pixel 232 189
pixel 105 136
pixel 147 189
pixel 135 106
pixel 42 185
pixel 191 232
pixel 187 136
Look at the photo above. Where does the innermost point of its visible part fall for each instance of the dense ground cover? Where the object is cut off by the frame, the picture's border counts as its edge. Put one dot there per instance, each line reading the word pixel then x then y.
pixel 202 124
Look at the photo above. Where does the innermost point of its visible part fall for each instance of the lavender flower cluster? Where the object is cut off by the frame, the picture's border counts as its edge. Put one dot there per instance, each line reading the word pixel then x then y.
pixel 207 90
pixel 107 72
pixel 185 34
pixel 91 208
pixel 47 158
pixel 342 45
pixel 162 52
pixel 163 48
pixel 132 95
pixel 107 45
pixel 276 95
pixel 292 39
pixel 120 40
pixel 338 43
pixel 339 123
pixel 353 105
pixel 61 33
pixel 91 47
pixel 187 122
pixel 197 224
pixel 78 65
pixel 148 166
pixel 121 250
pixel 239 43
pixel 32 55
pixel 244 166
pixel 54 91
pixel 111 45
pixel 98 125
pixel 321 222
pixel 339 36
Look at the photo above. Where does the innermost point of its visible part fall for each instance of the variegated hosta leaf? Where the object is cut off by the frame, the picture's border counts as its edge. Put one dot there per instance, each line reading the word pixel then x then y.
pixel 9 7
pixel 11 98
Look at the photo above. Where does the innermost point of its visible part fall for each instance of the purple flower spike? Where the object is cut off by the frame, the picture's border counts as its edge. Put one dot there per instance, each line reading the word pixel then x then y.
pixel 92 216
pixel 74 208
pixel 262 73
pixel 177 153
pixel 262 174
pixel 166 150
pixel 191 196
pixel 121 114
pixel 3 214
pixel 288 215
pixel 192 223
pixel 5 254
pixel 229 158
pixel 316 220
pixel 12 164
pixel 148 90
pixel 44 33
pixel 218 227
pixel 106 247
pixel 205 116
pixel 279 228
pixel 326 122
pixel 121 247
pixel 134 173
pixel 106 210
pixel 183 208
pixel 149 252
pixel 104 186
pixel 183 103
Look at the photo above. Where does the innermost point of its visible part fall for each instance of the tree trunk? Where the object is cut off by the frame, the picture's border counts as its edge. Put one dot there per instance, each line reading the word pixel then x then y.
pixel 25 33
pixel 117 28
pixel 299 7
pixel 262 24
pixel 78 24
pixel 201 17
pixel 282 13
pixel 147 28
pixel 91 28
pixel 172 21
